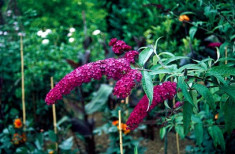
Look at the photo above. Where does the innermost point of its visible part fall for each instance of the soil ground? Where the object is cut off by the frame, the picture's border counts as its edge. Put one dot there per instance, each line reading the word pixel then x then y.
pixel 155 146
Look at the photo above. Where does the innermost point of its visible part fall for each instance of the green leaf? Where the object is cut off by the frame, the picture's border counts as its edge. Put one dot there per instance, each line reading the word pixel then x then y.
pixel 217 136
pixel 67 144
pixel 155 45
pixel 194 95
pixel 169 60
pixel 198 128
pixel 145 55
pixel 218 77
pixel 166 53
pixel 183 86
pixel 147 86
pixel 180 130
pixel 229 114
pixel 166 105
pixel 62 120
pixel 187 12
pixel 99 100
pixel 230 90
pixel 206 94
pixel 222 70
pixel 155 60
pixel 187 113
pixel 136 149
pixel 192 32
pixel 190 67
pixel 52 135
pixel 160 71
pixel 162 132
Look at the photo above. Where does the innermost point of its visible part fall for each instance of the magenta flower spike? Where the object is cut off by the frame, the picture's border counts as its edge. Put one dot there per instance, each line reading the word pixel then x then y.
pixel 160 93
pixel 119 69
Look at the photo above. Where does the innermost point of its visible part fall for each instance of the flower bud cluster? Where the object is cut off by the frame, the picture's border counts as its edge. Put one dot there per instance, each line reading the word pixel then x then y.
pixel 160 93
pixel 119 46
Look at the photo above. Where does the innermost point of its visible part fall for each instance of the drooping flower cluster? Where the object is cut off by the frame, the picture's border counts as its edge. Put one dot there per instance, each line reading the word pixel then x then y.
pixel 160 93
pixel 119 69
pixel 130 56
pixel 124 86
pixel 119 46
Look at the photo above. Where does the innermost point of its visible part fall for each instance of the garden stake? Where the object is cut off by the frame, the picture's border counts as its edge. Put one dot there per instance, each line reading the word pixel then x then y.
pixel 226 61
pixel 165 139
pixel 22 81
pixel 120 131
pixel 127 100
pixel 176 134
pixel 54 115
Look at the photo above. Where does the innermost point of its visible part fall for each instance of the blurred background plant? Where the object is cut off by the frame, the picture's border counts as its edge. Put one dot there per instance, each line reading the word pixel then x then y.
pixel 61 35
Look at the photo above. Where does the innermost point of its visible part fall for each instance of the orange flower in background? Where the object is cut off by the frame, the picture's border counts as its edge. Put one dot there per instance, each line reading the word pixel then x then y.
pixel 115 122
pixel 16 138
pixel 51 152
pixel 18 123
pixel 123 127
pixel 216 116
pixel 184 18
pixel 24 138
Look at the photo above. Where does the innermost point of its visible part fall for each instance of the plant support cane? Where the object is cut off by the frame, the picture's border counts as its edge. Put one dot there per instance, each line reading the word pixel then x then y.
pixel 176 134
pixel 120 131
pixel 54 114
pixel 22 81
pixel 226 56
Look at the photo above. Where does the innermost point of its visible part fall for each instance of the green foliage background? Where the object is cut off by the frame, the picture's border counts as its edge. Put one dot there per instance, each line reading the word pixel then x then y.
pixel 139 23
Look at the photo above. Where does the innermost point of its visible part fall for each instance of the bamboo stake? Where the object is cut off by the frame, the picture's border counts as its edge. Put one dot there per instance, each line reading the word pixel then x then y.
pixel 226 61
pixel 176 135
pixel 22 81
pixel 127 100
pixel 54 114
pixel 120 132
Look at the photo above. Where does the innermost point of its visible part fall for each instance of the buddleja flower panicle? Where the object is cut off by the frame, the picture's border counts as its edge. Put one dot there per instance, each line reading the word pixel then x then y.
pixel 118 69
pixel 160 93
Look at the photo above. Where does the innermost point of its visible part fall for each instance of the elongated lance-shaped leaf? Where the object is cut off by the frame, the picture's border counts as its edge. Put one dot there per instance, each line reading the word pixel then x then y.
pixel 206 94
pixel 217 136
pixel 183 86
pixel 192 32
pixel 229 114
pixel 187 113
pixel 155 45
pixel 222 70
pixel 147 86
pixel 145 55
pixel 198 128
